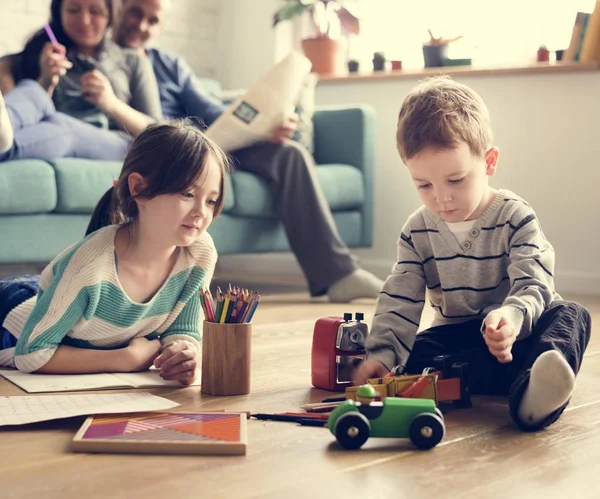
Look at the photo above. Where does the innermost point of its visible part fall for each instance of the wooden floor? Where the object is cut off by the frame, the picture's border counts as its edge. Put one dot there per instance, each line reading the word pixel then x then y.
pixel 482 455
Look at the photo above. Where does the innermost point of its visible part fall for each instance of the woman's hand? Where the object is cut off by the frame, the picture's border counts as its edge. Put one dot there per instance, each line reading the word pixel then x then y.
pixel 96 89
pixel 178 362
pixel 141 354
pixel 53 65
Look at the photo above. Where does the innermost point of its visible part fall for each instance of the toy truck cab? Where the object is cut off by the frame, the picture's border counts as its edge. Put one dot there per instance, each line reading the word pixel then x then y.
pixel 352 423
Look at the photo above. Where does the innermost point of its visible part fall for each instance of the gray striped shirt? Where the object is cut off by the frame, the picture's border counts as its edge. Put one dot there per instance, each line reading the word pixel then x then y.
pixel 506 261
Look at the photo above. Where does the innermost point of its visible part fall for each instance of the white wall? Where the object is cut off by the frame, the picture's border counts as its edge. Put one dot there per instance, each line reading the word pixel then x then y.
pixel 546 127
pixel 246 43
pixel 191 29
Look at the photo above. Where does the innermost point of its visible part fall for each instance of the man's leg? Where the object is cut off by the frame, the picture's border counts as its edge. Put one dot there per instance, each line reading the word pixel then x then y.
pixel 552 358
pixel 325 259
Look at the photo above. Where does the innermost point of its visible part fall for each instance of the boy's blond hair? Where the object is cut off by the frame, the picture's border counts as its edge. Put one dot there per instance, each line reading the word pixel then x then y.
pixel 442 113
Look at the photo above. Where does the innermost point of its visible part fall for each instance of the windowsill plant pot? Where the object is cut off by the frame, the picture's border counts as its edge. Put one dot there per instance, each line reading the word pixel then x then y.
pixel 327 55
pixel 325 43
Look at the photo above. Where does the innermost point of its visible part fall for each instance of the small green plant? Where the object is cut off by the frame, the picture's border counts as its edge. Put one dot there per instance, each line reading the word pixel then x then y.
pixel 325 15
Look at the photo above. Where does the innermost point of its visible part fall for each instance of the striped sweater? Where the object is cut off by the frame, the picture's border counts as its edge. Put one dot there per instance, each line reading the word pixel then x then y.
pixel 81 302
pixel 504 262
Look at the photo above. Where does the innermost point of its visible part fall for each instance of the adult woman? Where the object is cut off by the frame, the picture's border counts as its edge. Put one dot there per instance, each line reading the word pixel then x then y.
pixel 75 96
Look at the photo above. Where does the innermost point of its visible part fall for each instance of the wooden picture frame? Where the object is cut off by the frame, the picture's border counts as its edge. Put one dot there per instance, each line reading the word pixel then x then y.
pixel 203 433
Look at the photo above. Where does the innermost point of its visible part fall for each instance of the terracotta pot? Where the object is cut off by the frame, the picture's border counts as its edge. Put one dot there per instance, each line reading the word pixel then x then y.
pixel 328 56
pixel 543 55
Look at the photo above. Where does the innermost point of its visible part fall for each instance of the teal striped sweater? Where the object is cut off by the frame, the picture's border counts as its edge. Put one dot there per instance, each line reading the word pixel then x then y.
pixel 81 302
pixel 504 263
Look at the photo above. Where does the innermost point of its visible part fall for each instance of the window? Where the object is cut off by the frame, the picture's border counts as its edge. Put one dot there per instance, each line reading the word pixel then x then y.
pixel 495 32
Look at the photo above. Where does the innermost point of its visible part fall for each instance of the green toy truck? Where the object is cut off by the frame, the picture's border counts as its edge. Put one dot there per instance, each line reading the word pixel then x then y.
pixel 353 422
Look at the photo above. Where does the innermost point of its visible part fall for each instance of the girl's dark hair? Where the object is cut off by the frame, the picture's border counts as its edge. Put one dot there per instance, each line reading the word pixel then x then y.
pixel 171 157
pixel 30 56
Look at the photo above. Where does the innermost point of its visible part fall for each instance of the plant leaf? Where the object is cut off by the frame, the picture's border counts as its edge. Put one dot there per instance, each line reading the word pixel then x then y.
pixel 290 10
pixel 350 23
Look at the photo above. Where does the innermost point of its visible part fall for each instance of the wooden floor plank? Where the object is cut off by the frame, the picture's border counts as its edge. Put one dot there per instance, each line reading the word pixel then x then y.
pixel 483 454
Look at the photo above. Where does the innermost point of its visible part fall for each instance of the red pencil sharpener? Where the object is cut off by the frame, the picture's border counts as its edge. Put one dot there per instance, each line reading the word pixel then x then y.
pixel 338 348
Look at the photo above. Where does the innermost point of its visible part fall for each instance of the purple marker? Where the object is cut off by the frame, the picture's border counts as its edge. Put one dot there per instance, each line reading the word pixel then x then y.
pixel 50 34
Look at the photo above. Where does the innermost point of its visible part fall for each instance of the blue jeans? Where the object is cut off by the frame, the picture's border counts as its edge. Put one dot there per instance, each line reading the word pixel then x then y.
pixel 13 292
pixel 41 132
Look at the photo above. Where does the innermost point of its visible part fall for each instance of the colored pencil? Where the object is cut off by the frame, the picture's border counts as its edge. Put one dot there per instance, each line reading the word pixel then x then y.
pixel 235 306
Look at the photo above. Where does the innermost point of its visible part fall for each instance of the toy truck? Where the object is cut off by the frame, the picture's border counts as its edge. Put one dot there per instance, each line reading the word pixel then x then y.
pixel 445 382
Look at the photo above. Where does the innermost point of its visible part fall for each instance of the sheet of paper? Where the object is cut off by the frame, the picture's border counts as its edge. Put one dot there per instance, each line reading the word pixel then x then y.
pixel 49 383
pixel 266 105
pixel 44 383
pixel 33 408
pixel 150 379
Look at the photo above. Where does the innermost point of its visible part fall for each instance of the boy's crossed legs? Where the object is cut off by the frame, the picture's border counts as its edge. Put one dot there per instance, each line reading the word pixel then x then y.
pixel 539 380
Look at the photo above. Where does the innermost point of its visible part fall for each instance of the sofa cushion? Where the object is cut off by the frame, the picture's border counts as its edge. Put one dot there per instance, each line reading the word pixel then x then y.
pixel 342 185
pixel 82 182
pixel 26 186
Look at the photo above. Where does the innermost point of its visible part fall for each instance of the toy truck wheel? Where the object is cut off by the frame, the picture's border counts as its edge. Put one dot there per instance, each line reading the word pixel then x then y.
pixel 352 430
pixel 426 430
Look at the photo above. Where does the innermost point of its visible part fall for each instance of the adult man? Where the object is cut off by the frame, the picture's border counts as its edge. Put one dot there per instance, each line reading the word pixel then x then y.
pixel 324 258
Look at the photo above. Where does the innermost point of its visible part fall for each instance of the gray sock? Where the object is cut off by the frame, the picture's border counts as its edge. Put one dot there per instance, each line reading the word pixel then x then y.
pixel 358 284
pixel 6 129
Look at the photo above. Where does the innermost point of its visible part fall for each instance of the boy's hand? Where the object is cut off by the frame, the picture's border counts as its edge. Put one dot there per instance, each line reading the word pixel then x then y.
pixel 141 353
pixel 500 335
pixel 178 362
pixel 370 368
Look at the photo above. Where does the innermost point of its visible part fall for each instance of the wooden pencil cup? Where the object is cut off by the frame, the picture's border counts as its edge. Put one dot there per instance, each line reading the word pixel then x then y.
pixel 226 357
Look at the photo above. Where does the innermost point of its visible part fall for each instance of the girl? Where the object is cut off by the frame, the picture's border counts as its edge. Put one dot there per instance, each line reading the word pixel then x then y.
pixel 127 295
pixel 67 85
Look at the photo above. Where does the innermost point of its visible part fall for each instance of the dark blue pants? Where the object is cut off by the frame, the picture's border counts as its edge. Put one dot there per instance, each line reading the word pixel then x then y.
pixel 13 292
pixel 564 326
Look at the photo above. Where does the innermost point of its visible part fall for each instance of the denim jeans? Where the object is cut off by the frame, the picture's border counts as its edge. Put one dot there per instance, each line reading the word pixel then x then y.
pixel 43 133
pixel 13 292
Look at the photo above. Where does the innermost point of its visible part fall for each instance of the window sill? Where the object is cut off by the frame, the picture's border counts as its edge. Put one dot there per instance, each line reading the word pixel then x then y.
pixel 536 68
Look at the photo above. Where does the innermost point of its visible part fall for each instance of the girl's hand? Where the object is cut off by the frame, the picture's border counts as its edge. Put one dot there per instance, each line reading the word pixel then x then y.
pixel 178 362
pixel 96 89
pixel 141 354
pixel 53 65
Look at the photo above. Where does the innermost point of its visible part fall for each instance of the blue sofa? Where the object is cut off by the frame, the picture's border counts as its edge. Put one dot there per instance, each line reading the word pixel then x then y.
pixel 46 206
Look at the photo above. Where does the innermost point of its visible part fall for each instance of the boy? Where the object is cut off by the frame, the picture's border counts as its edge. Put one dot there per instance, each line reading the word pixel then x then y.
pixel 487 266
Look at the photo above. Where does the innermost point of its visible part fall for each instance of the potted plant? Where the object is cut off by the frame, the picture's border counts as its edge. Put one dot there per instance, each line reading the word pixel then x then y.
pixel 330 22
pixel 543 54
